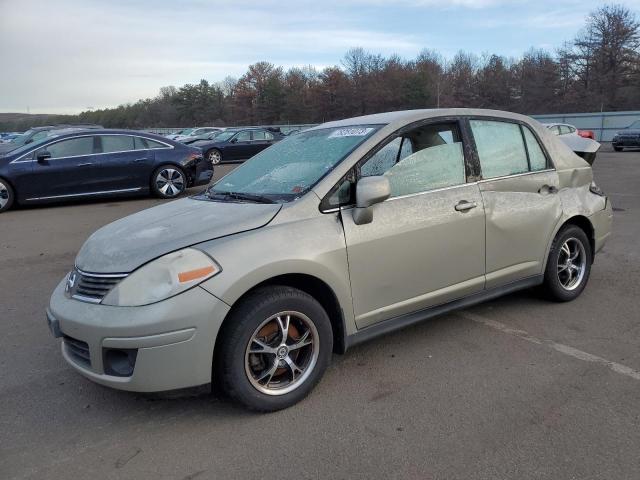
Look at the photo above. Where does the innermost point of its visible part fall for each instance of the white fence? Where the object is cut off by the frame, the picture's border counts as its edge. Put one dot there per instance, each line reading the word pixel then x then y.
pixel 604 124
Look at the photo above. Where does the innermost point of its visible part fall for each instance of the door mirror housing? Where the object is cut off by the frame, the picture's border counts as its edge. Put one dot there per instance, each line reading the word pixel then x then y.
pixel 234 140
pixel 43 155
pixel 369 191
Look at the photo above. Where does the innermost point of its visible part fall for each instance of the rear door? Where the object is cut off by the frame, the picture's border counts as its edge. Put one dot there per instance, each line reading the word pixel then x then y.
pixel 520 192
pixel 118 161
pixel 72 170
pixel 260 140
pixel 426 244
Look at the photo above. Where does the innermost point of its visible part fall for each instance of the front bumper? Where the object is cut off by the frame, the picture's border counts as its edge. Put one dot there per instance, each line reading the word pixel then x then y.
pixel 173 339
pixel 626 142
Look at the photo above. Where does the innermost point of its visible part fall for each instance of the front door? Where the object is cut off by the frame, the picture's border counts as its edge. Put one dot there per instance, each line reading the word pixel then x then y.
pixel 239 147
pixel 520 193
pixel 425 245
pixel 72 170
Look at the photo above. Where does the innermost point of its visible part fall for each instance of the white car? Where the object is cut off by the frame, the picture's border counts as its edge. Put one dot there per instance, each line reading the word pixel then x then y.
pixel 188 133
pixel 580 141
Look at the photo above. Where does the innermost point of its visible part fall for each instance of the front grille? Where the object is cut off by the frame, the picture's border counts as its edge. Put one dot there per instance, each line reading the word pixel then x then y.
pixel 91 287
pixel 78 349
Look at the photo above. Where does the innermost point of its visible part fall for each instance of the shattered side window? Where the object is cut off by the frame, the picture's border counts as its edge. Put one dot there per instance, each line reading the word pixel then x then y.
pixel 426 158
pixel 430 168
pixel 500 148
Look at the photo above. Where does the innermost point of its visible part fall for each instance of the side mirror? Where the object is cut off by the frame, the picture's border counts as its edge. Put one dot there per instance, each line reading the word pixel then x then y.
pixel 369 191
pixel 43 155
pixel 234 140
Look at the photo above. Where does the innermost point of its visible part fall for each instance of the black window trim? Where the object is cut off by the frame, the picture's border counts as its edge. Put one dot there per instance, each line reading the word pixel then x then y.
pixel 353 174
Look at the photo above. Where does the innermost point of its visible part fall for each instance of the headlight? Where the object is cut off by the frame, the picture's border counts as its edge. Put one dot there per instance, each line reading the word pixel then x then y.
pixel 163 278
pixel 593 188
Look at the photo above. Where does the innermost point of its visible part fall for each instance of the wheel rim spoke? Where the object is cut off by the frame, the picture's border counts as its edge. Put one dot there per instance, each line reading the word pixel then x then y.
pixel 264 348
pixel 293 368
pixel 284 328
pixel 302 342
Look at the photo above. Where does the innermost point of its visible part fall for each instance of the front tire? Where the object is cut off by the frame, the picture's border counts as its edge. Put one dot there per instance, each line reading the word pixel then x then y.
pixel 273 349
pixel 617 149
pixel 168 181
pixel 569 265
pixel 7 195
pixel 214 156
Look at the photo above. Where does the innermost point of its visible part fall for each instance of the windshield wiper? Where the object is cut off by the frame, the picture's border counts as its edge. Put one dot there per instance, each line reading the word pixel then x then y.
pixel 241 196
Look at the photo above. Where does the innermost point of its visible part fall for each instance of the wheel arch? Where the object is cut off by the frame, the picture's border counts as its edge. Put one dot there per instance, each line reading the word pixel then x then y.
pixel 311 285
pixel 579 221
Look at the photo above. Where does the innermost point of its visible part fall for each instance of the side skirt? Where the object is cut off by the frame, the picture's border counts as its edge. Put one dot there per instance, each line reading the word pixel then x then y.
pixel 402 321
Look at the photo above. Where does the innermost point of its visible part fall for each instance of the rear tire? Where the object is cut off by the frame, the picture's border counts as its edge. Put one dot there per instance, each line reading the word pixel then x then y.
pixel 7 195
pixel 168 181
pixel 569 265
pixel 273 349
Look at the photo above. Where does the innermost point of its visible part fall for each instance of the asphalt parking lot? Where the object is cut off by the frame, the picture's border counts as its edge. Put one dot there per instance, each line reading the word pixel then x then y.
pixel 516 388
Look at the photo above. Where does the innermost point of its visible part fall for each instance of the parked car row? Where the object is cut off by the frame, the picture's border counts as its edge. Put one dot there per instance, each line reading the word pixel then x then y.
pixel 81 163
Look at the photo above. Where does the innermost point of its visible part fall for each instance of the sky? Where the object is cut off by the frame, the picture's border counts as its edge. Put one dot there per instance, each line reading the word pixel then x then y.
pixel 66 56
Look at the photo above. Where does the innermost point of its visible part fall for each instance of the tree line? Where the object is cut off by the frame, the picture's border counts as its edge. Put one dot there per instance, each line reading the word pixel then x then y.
pixel 598 71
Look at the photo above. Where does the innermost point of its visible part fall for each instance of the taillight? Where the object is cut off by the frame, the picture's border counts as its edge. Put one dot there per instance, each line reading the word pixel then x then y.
pixel 586 134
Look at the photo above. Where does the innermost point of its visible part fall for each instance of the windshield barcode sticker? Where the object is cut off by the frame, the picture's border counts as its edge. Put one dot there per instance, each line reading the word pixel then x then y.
pixel 351 132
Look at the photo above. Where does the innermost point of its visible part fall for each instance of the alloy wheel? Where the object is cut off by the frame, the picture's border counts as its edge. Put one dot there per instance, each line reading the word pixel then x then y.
pixel 4 195
pixel 170 182
pixel 572 263
pixel 282 353
pixel 215 157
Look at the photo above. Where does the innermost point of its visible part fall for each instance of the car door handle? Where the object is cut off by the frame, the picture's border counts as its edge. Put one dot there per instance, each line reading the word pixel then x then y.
pixel 85 164
pixel 140 160
pixel 463 206
pixel 546 189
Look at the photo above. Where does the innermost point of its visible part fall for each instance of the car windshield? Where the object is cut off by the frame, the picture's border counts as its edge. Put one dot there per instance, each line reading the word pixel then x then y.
pixel 289 168
pixel 186 131
pixel 20 139
pixel 226 135
pixel 635 124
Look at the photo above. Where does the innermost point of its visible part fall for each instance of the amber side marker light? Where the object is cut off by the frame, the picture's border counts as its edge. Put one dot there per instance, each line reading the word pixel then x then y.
pixel 191 275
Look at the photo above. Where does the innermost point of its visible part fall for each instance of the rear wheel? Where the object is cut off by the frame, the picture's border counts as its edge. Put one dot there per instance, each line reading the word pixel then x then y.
pixel 274 349
pixel 6 195
pixel 215 156
pixel 168 181
pixel 569 264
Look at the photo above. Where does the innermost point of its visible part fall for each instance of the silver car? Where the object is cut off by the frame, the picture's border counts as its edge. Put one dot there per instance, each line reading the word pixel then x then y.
pixel 336 235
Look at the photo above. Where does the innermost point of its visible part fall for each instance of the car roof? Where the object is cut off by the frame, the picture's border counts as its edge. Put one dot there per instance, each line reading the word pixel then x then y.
pixel 404 117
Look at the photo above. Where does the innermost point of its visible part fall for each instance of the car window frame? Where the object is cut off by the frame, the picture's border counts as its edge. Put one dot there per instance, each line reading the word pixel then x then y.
pixel 31 153
pixel 471 166
pixel 550 166
pixel 60 140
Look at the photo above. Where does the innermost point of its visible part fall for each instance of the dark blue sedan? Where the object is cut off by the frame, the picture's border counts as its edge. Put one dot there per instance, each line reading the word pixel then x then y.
pixel 91 163
pixel 237 145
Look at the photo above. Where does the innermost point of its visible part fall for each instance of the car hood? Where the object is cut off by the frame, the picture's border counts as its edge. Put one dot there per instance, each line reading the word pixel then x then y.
pixel 125 244
pixel 7 147
pixel 629 131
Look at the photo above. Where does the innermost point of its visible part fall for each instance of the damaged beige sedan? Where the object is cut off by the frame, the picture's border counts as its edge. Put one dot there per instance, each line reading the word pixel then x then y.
pixel 331 237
